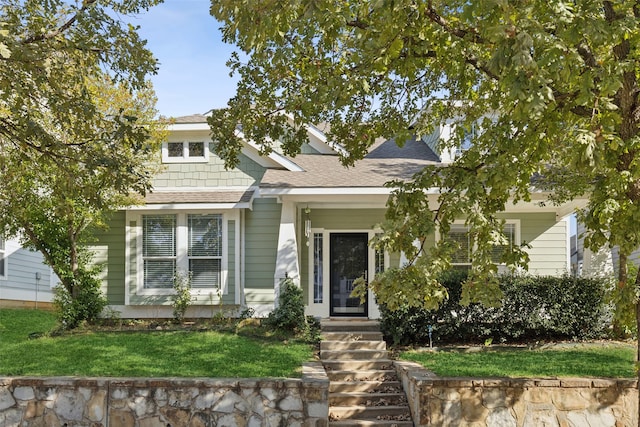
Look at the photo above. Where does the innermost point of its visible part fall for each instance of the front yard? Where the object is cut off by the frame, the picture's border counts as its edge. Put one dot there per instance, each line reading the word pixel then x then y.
pixel 596 359
pixel 141 353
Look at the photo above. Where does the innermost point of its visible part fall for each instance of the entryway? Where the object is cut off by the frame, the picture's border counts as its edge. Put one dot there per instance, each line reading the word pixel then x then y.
pixel 349 254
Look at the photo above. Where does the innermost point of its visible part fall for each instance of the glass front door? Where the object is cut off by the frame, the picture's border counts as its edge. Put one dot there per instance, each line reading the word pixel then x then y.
pixel 349 261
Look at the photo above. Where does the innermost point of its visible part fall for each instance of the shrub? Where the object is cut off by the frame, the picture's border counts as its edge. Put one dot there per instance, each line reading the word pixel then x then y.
pixel 289 315
pixel 533 307
pixel 182 298
pixel 86 306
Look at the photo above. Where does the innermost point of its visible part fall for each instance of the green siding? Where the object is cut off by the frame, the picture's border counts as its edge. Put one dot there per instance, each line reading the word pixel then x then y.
pixel 262 226
pixel 110 250
pixel 211 174
pixel 346 219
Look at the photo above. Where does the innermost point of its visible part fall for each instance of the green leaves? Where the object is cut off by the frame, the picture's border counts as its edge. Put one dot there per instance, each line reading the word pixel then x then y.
pixel 553 85
pixel 78 132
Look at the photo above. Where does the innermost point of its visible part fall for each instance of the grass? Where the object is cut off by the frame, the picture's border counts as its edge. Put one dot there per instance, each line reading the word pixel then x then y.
pixel 141 354
pixel 611 360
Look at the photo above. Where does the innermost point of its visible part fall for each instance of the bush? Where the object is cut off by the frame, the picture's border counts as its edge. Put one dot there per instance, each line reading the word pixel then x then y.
pixel 86 306
pixel 182 298
pixel 289 315
pixel 533 308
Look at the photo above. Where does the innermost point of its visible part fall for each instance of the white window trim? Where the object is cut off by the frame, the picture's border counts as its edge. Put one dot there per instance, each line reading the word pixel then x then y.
pixel 185 153
pixel 182 259
pixel 515 222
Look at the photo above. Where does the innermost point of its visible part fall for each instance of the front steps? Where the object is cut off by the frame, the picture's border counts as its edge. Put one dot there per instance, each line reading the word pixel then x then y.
pixel 364 389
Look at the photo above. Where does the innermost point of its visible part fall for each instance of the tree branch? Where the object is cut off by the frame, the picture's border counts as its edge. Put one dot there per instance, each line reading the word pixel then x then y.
pixel 64 27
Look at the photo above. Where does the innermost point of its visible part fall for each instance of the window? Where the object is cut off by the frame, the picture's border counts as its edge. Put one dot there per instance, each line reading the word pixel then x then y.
pixel 317 267
pixel 191 243
pixel 205 250
pixel 159 250
pixel 185 152
pixel 460 234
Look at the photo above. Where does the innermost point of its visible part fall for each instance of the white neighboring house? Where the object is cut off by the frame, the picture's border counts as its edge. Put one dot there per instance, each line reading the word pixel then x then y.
pixel 25 281
pixel 602 263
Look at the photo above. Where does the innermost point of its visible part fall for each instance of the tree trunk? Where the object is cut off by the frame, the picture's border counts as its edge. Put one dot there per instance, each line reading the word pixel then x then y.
pixel 637 280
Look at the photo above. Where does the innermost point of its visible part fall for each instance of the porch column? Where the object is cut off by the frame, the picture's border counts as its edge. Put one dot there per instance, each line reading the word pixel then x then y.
pixel 287 259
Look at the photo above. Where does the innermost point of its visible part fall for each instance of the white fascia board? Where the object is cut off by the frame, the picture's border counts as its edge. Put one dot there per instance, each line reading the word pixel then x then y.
pixel 278 158
pixel 192 206
pixel 331 191
pixel 203 189
pixel 188 126
pixel 323 191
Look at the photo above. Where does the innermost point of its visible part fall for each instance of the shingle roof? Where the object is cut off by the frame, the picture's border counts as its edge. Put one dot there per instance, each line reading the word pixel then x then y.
pixel 167 197
pixel 193 118
pixel 412 149
pixel 327 172
pixel 384 163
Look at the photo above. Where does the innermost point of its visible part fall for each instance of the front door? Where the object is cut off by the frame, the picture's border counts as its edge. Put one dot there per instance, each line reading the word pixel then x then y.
pixel 349 261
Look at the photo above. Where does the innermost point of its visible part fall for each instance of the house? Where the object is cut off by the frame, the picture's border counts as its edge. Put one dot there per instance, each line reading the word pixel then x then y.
pixel 25 281
pixel 239 232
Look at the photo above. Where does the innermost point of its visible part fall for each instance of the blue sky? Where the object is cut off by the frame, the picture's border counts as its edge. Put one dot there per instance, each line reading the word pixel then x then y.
pixel 193 77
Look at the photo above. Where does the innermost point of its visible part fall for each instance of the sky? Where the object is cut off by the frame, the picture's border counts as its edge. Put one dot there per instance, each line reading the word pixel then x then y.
pixel 192 77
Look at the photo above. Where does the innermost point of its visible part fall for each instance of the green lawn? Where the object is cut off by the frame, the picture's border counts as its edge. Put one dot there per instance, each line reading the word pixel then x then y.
pixel 141 354
pixel 611 360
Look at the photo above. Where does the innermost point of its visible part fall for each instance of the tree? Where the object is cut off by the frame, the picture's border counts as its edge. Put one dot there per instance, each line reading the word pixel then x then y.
pixel 77 129
pixel 552 86
pixel 47 51
pixel 55 204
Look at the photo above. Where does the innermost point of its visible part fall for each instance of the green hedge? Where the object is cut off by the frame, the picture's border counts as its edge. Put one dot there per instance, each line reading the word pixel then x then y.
pixel 533 308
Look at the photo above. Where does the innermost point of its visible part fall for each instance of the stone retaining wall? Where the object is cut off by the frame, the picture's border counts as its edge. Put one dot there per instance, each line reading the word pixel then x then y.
pixel 505 402
pixel 138 402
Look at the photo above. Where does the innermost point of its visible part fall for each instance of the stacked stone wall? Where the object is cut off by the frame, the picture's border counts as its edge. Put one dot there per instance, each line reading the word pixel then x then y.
pixel 505 402
pixel 102 402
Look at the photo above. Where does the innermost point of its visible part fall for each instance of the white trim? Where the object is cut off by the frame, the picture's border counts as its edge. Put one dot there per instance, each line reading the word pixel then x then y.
pixel 324 309
pixel 185 158
pixel 567 232
pixel 325 191
pixel 237 256
pixel 191 206
pixel 188 126
pixel 276 157
pixel 181 251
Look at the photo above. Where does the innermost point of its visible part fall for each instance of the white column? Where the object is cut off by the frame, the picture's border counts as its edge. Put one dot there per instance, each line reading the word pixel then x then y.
pixel 287 264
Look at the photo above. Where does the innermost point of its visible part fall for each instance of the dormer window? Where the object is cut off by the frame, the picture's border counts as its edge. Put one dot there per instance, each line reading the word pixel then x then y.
pixel 185 152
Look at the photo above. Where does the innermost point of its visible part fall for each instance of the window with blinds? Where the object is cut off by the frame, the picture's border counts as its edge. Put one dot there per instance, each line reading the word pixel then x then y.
pixel 460 234
pixel 159 250
pixel 205 250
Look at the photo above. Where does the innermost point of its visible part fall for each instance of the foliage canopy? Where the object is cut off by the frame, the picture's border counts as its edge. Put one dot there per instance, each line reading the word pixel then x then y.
pixel 78 133
pixel 552 87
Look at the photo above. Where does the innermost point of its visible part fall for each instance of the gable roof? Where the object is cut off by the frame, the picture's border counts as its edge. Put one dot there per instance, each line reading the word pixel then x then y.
pixel 385 162
pixel 412 149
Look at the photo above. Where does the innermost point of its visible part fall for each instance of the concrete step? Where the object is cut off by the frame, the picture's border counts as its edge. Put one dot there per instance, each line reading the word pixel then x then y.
pixel 354 355
pixel 352 336
pixel 332 325
pixel 370 423
pixel 363 375
pixel 353 345
pixel 357 365
pixel 364 386
pixel 367 399
pixel 368 412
